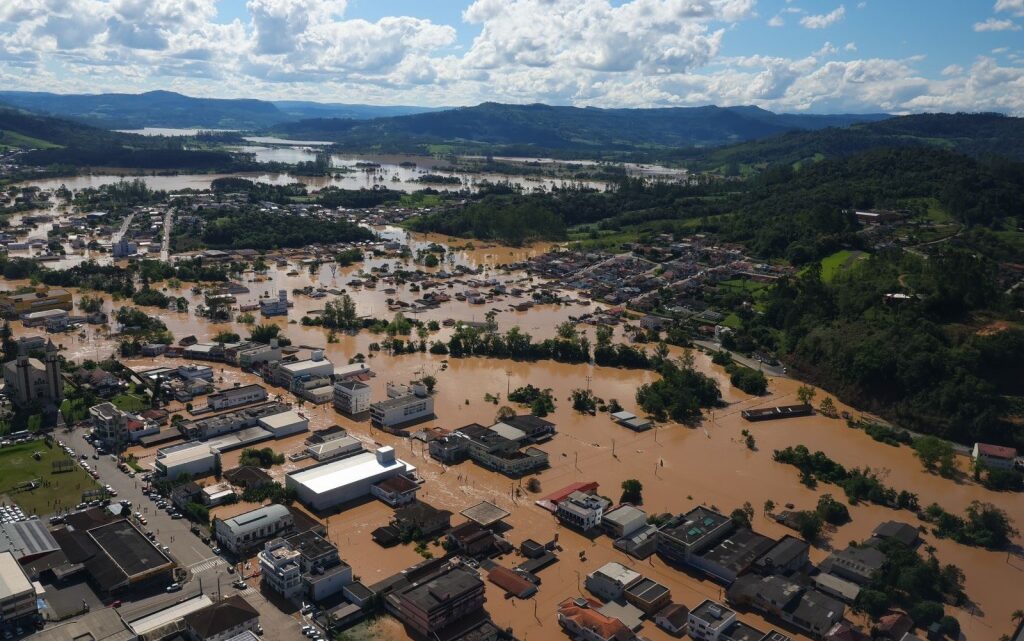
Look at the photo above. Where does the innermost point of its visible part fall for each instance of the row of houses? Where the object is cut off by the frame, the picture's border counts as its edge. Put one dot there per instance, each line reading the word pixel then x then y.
pixel 505 447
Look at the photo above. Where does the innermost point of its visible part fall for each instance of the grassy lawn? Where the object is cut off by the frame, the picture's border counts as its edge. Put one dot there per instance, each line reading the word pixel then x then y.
pixel 743 283
pixel 420 200
pixel 63 490
pixel 840 261
pixel 732 321
pixel 14 139
pixel 130 403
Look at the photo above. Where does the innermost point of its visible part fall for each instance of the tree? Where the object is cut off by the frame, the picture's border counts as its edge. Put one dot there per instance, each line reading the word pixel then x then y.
pixel 935 454
pixel 805 393
pixel 950 627
pixel 429 381
pixel 504 412
pixel 828 407
pixel 872 602
pixel 832 511
pixel 583 401
pixel 632 492
pixel 533 485
pixel 769 506
pixel 809 525
pixel 604 335
pixel 739 518
pixel 264 332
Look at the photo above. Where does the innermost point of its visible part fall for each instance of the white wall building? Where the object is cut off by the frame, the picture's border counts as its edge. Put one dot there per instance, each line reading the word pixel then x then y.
pixel 235 396
pixel 405 405
pixel 610 581
pixel 284 423
pixel 196 459
pixel 331 484
pixel 275 307
pixel 251 529
pixel 335 448
pixel 352 397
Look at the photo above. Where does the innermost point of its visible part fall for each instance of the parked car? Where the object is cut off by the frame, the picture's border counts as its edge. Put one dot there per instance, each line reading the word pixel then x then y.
pixel 174 587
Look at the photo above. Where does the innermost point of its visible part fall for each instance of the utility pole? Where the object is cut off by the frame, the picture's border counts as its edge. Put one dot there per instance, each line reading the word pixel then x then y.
pixel 588 377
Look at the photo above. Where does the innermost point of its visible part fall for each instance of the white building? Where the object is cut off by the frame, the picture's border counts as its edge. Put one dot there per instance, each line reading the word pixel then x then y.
pixel 251 529
pixel 709 620
pixel 351 371
pixel 610 581
pixel 582 511
pixel 406 404
pixel 334 448
pixel 288 374
pixel 284 423
pixel 995 457
pixel 275 307
pixel 258 354
pixel 17 596
pixel 341 481
pixel 352 397
pixel 304 565
pixel 195 459
pixel 235 396
pixel 192 372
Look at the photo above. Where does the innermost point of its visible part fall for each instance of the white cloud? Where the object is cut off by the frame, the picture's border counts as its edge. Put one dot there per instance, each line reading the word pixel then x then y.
pixel 583 52
pixel 1014 7
pixel 993 24
pixel 776 21
pixel 824 20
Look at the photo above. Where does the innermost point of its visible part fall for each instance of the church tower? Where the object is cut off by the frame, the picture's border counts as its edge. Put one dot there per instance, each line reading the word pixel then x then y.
pixel 54 381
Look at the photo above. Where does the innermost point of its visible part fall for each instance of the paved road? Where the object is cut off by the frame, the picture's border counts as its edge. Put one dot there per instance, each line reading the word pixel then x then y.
pixel 771 370
pixel 165 247
pixel 119 234
pixel 206 568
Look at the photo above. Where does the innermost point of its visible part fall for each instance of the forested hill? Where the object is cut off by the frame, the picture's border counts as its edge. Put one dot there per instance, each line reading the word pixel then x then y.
pixel 539 128
pixel 972 134
pixel 170 109
pixel 54 141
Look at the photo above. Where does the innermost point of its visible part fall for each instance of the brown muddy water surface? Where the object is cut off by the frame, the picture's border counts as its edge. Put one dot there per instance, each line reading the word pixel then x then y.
pixel 680 467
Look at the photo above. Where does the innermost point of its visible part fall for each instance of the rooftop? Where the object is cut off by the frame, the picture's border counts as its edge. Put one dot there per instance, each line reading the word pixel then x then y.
pixel 27 538
pixel 325 477
pixel 739 550
pixel 442 588
pixel 13 581
pixel 221 616
pixel 485 513
pixel 618 573
pixel 254 519
pixel 712 613
pixel 166 616
pixel 647 590
pixel 583 612
pixel 695 525
pixel 133 553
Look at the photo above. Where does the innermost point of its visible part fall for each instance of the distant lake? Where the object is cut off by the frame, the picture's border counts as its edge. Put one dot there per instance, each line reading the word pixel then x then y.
pixel 171 131
pixel 271 140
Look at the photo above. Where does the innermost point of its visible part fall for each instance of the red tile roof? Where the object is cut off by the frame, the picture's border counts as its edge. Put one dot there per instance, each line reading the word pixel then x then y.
pixel 562 494
pixel 588 617
pixel 511 582
pixel 996 451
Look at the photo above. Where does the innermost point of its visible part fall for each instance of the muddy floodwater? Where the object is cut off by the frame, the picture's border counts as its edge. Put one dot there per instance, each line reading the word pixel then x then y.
pixel 680 467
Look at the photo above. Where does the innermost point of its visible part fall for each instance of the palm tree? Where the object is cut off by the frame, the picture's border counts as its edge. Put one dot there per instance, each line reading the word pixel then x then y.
pixel 1017 616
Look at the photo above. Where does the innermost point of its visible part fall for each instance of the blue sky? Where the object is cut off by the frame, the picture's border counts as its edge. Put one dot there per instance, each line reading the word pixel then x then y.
pixel 785 55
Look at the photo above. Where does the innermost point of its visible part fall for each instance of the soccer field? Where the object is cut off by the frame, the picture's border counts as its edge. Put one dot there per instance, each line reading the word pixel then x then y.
pixel 56 491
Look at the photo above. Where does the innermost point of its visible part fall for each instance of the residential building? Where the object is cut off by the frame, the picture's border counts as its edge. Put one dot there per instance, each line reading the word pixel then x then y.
pixel 648 595
pixel 786 557
pixel 248 531
pixel 536 428
pixel 305 565
pixel 732 556
pixel 623 521
pixel 54 320
pixel 292 374
pixel 611 580
pixel 415 520
pixel 353 371
pixel 117 429
pixel 487 447
pixel 343 480
pixel 14 305
pixel 806 609
pixel 248 476
pixel 405 405
pixel 282 424
pixel 352 397
pixel 253 355
pixel 432 604
pixel 996 457
pixel 857 564
pixel 275 306
pixel 672 619
pixel 689 534
pixel 222 620
pixel 471 539
pixel 709 620
pixel 395 490
pixel 217 494
pixel 905 533
pixel 27 381
pixel 17 595
pixel 580 618
pixel 582 511
pixel 235 396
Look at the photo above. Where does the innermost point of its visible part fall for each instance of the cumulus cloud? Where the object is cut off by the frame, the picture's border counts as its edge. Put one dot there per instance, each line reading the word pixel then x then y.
pixel 822 21
pixel 1014 7
pixel 629 53
pixel 993 24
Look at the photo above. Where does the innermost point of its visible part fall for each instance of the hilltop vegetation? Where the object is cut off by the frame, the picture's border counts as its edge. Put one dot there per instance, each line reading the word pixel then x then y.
pixel 976 135
pixel 534 129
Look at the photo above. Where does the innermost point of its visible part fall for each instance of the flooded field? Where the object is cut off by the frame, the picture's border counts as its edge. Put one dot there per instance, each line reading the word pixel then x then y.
pixel 680 467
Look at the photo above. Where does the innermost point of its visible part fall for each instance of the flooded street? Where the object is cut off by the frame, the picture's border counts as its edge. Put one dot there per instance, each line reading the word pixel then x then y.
pixel 680 467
